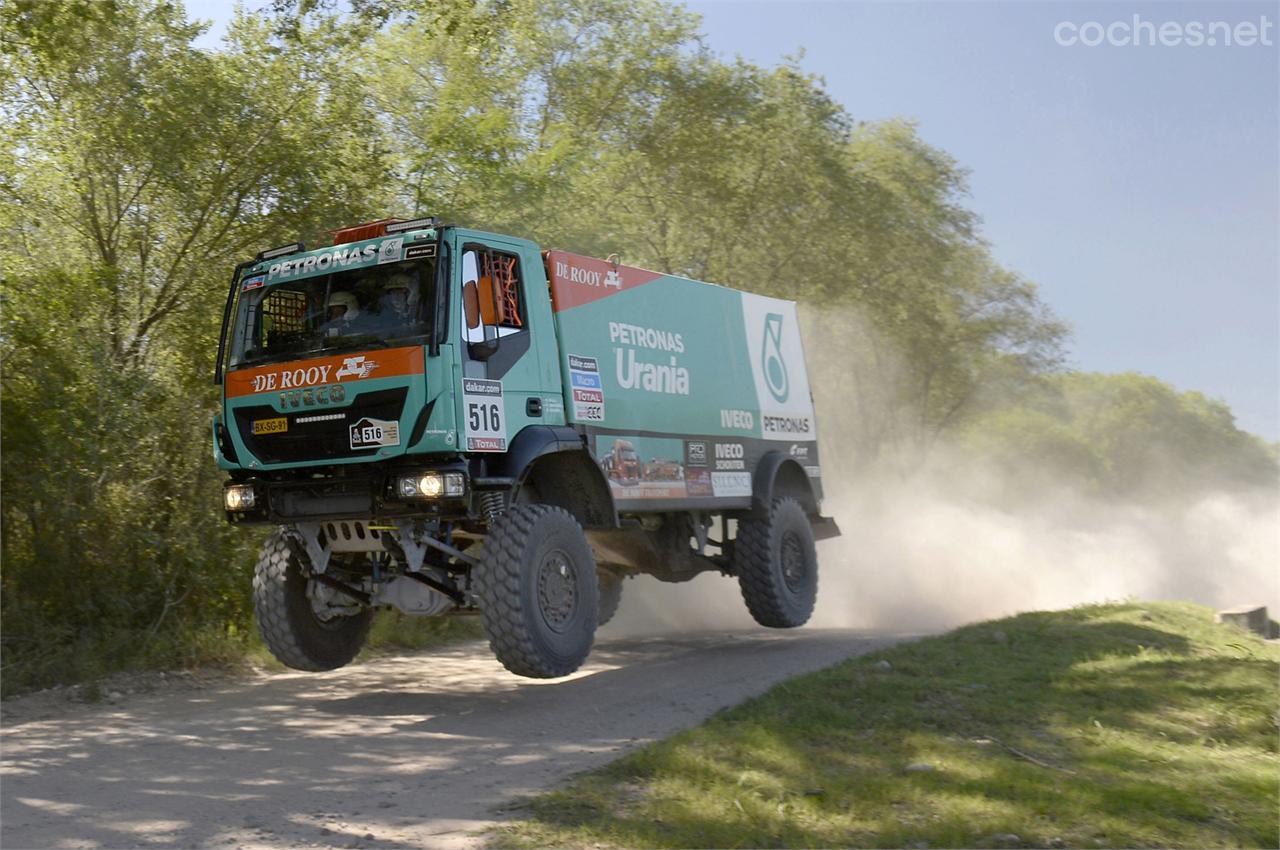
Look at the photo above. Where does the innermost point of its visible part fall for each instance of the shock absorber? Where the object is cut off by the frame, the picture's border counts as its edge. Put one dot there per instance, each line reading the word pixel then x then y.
pixel 492 503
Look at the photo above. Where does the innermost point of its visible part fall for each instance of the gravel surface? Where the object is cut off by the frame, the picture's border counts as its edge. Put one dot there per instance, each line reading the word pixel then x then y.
pixel 414 751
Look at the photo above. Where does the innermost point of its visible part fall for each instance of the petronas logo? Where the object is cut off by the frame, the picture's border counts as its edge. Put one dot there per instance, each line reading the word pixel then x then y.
pixel 775 368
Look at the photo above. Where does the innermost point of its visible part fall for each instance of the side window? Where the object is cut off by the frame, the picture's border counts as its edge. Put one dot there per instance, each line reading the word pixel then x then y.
pixel 492 294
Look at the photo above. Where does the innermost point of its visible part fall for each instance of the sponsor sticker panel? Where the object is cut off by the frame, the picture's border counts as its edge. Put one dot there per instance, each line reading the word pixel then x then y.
pixel 587 389
pixel 577 280
pixel 323 371
pixel 730 484
pixel 370 433
pixel 485 418
pixel 697 476
pixel 642 467
pixel 778 367
pixel 639 467
pixel 339 258
pixel 390 250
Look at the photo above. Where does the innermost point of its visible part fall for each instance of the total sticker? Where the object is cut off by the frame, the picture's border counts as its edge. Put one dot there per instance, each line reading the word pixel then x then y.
pixel 588 391
pixel 370 433
pixel 486 426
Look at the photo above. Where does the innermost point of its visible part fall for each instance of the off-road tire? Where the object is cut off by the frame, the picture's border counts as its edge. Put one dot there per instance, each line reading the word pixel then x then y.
pixel 540 620
pixel 610 594
pixel 777 566
pixel 289 625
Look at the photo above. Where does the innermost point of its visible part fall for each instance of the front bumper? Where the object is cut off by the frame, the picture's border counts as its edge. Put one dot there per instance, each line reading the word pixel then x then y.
pixel 368 494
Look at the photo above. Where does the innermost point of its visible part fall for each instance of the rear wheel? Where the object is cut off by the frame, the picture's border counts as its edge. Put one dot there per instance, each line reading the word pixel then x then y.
pixel 777 566
pixel 610 594
pixel 538 591
pixel 305 624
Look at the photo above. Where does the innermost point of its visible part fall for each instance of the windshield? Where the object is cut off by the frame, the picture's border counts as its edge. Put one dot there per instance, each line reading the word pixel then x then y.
pixel 349 309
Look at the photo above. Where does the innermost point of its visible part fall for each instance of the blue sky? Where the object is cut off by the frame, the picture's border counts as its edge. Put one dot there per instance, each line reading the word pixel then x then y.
pixel 1137 185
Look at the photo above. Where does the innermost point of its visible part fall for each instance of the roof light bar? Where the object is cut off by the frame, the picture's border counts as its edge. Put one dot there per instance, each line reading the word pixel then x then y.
pixel 413 224
pixel 282 251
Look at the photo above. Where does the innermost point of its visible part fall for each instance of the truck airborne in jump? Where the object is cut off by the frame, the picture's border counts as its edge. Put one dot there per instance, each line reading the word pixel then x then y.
pixel 444 420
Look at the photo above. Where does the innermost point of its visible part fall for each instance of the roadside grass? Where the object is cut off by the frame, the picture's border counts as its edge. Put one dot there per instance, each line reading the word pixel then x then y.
pixel 1127 725
pixel 90 662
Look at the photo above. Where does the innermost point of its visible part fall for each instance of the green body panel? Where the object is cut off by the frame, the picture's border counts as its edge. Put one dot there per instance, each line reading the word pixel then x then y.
pixel 680 356
pixel 704 321
pixel 684 388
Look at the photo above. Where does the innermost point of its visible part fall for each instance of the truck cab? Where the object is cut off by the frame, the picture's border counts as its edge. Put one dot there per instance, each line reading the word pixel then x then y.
pixel 327 364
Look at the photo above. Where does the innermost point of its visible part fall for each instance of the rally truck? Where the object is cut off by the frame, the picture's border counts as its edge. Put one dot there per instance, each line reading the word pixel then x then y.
pixel 443 420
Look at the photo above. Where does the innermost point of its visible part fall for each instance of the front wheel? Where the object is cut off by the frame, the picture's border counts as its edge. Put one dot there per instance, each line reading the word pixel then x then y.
pixel 538 591
pixel 777 566
pixel 306 625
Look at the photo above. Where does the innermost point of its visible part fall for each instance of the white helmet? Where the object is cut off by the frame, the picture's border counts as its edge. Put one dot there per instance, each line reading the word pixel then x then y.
pixel 346 300
pixel 400 280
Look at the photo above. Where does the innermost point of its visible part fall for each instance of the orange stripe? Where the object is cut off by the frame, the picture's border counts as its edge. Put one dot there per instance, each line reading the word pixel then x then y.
pixel 323 371
pixel 577 280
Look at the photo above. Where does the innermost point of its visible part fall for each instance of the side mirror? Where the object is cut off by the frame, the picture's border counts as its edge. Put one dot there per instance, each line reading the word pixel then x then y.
pixel 481 349
pixel 471 304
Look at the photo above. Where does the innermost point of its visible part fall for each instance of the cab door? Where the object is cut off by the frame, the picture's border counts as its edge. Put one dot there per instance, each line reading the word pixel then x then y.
pixel 503 323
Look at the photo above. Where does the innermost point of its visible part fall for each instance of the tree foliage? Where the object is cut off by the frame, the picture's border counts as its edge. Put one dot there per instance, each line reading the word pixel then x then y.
pixel 1127 435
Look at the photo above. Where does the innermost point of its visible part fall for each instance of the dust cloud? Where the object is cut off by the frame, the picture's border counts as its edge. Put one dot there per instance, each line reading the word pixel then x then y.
pixel 931 543
pixel 915 557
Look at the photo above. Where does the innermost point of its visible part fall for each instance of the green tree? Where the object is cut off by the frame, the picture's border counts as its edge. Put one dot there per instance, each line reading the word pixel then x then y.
pixel 139 170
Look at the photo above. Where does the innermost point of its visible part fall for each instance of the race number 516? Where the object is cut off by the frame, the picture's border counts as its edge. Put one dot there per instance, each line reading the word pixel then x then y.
pixel 485 417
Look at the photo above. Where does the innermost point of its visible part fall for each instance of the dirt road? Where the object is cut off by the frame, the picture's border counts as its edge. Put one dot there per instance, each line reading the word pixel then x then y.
pixel 416 751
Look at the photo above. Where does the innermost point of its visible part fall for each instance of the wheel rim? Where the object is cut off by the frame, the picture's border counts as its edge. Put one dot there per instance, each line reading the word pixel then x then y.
pixel 557 589
pixel 326 605
pixel 795 566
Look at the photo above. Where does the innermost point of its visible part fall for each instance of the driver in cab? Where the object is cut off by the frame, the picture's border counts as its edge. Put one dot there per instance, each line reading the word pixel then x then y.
pixel 342 315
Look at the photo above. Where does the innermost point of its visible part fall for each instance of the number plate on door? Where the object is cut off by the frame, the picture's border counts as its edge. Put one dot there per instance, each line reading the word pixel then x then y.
pixel 486 425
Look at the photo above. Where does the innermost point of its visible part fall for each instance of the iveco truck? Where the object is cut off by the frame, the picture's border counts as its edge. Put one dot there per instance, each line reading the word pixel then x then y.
pixel 445 420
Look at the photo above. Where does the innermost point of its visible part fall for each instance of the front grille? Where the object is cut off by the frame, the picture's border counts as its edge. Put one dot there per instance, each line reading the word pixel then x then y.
pixel 317 440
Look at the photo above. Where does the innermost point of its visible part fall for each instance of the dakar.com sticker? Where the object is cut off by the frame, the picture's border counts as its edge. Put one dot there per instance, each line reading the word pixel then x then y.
pixel 485 418
pixel 588 391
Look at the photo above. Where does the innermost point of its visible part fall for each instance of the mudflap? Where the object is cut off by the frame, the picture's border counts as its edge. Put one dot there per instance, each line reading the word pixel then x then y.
pixel 824 527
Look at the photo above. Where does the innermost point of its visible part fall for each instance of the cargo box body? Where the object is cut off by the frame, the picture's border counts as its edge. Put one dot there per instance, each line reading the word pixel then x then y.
pixel 680 386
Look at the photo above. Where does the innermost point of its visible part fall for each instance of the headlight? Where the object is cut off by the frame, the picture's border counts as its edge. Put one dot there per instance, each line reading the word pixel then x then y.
pixel 238 497
pixel 431 485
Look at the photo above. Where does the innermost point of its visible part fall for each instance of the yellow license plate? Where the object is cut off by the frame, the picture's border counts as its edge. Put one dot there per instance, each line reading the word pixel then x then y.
pixel 271 426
